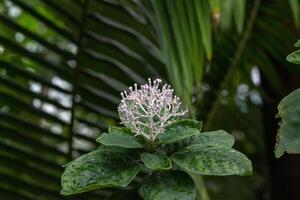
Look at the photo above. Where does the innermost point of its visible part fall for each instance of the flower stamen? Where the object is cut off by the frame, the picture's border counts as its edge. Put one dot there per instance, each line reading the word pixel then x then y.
pixel 148 110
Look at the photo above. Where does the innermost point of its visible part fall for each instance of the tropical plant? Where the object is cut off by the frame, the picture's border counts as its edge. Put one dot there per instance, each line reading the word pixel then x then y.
pixel 64 63
pixel 156 144
pixel 288 137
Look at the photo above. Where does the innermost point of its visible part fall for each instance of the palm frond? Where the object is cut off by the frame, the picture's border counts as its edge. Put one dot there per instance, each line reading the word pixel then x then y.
pixel 62 68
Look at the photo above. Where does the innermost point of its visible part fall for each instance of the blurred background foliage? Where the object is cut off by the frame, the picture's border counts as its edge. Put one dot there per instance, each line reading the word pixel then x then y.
pixel 63 64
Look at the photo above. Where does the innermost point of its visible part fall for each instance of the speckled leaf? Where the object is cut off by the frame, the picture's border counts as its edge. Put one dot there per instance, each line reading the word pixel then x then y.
pixel 180 130
pixel 170 186
pixel 120 140
pixel 288 138
pixel 98 169
pixel 156 161
pixel 219 137
pixel 212 160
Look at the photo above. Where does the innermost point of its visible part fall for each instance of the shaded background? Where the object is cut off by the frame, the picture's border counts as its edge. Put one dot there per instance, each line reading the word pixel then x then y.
pixel 63 64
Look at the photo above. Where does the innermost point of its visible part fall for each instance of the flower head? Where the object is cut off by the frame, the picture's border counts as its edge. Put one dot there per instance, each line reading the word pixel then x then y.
pixel 148 110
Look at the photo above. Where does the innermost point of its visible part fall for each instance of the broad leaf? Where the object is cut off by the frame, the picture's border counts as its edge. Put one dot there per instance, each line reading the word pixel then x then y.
pixel 180 130
pixel 93 50
pixel 170 186
pixel 156 161
pixel 98 169
pixel 212 160
pixel 120 140
pixel 219 137
pixel 288 138
pixel 62 62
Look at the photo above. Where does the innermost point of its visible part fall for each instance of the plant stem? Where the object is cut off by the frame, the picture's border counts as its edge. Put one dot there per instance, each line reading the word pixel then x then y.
pixel 202 193
pixel 152 145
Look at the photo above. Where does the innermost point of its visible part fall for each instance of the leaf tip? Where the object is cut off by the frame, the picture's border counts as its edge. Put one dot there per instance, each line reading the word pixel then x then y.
pixel 278 152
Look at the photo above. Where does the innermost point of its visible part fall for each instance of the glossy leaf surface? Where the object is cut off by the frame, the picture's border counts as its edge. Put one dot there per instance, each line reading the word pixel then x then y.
pixel 212 160
pixel 156 161
pixel 98 169
pixel 180 130
pixel 219 137
pixel 170 186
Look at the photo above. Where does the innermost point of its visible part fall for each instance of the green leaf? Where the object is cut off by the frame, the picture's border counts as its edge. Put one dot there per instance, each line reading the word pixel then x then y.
pixel 180 130
pixel 204 22
pixel 115 149
pixel 41 58
pixel 98 169
pixel 118 139
pixel 226 14
pixel 170 186
pixel 212 160
pixel 123 130
pixel 156 161
pixel 295 11
pixel 219 137
pixel 288 138
pixel 108 35
pixel 294 57
pixel 239 14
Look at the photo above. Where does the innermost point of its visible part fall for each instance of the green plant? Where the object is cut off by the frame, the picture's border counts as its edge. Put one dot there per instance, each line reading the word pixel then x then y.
pixel 167 154
pixel 288 137
pixel 76 56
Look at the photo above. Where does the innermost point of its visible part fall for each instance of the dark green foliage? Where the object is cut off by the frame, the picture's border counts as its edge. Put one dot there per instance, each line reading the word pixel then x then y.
pixel 180 130
pixel 169 186
pixel 113 165
pixel 88 51
pixel 62 66
pixel 288 139
pixel 119 139
pixel 212 160
pixel 98 169
pixel 156 161
pixel 219 137
pixel 288 136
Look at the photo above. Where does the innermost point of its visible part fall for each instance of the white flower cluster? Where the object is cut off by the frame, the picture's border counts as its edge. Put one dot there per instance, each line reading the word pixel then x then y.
pixel 148 110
